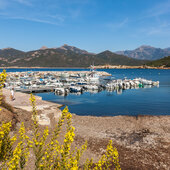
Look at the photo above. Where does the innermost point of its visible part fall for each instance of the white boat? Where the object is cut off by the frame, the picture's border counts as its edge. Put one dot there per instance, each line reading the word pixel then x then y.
pixel 93 77
pixel 146 82
pixel 91 87
pixel 34 86
pixel 61 91
pixel 110 86
pixel 155 83
pixel 75 89
pixel 64 75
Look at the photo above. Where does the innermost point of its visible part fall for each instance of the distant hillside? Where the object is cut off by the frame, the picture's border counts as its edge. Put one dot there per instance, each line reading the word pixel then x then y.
pixel 161 62
pixel 108 57
pixel 146 53
pixel 65 56
pixel 73 49
pixel 11 53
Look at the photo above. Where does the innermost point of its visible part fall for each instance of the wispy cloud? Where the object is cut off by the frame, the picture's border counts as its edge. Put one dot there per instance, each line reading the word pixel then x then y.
pixel 18 13
pixel 3 4
pixel 60 18
pixel 32 19
pixel 154 21
pixel 49 12
pixel 74 13
pixel 24 2
pixel 161 29
pixel 76 1
pixel 159 9
pixel 115 26
pixel 158 31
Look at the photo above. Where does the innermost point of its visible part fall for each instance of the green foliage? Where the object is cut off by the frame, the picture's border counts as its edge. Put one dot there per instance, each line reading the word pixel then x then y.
pixel 162 62
pixel 2 81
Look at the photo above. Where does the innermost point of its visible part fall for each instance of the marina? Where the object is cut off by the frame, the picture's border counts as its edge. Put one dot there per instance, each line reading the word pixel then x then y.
pixel 104 99
pixel 63 83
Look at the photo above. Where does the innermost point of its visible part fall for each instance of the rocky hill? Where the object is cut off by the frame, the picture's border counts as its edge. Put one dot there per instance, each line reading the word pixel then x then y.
pixel 65 56
pixel 146 53
pixel 73 49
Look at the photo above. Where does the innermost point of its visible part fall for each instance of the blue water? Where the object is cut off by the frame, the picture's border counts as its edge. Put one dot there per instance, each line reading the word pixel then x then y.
pixel 42 69
pixel 148 101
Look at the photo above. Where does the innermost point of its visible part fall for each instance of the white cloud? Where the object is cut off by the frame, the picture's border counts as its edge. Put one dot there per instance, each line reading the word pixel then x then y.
pixel 74 13
pixel 47 13
pixel 32 19
pixel 154 21
pixel 118 25
pixel 162 8
pixel 3 4
pixel 161 29
pixel 58 17
pixel 24 2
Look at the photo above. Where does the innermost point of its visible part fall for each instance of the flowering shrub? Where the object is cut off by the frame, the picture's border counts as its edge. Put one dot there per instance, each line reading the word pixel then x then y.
pixel 49 154
pixel 6 141
pixel 2 81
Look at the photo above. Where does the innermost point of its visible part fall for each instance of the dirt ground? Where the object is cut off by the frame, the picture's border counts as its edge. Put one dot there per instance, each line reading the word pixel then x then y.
pixel 143 142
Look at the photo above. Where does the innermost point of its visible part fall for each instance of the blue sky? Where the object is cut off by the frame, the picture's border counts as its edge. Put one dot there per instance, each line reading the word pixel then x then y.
pixel 93 25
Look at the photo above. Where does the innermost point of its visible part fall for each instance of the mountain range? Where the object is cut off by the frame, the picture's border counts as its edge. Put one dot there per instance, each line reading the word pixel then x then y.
pixel 64 56
pixel 145 52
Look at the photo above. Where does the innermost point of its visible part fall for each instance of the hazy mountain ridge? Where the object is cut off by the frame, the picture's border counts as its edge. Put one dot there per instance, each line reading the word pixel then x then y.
pixel 145 52
pixel 65 56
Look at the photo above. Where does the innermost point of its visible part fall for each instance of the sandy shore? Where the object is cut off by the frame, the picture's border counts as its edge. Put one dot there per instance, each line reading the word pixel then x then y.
pixel 97 67
pixel 143 142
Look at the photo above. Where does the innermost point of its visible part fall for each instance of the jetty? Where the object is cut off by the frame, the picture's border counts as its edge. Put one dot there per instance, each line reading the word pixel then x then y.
pixel 37 90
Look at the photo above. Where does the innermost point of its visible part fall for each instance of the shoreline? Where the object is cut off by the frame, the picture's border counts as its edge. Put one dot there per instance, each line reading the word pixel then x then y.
pixel 97 67
pixel 130 67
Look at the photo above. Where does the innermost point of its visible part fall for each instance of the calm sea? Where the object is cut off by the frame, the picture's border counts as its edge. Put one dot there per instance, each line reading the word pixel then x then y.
pixel 148 101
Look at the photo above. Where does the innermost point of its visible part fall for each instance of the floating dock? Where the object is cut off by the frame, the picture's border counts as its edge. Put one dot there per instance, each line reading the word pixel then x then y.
pixel 36 90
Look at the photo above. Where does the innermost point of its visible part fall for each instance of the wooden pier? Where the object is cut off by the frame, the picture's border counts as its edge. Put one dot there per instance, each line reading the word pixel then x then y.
pixel 37 90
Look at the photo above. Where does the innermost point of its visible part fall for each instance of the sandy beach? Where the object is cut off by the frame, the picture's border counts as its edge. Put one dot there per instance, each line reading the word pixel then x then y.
pixel 143 142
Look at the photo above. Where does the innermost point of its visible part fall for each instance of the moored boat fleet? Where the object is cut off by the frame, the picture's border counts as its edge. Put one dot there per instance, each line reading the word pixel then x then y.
pixel 63 83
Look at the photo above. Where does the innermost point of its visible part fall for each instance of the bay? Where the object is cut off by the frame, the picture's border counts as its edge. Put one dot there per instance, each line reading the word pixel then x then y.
pixel 142 101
